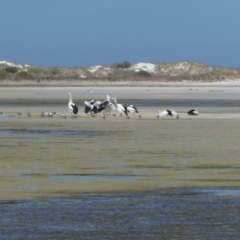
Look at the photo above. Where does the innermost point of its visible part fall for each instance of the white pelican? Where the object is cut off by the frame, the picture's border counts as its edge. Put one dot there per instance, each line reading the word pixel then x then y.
pixel 122 109
pixel 72 107
pixel 167 112
pixel 193 112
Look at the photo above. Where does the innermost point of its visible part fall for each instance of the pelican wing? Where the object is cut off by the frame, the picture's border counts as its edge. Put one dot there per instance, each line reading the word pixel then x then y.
pixel 97 103
pixel 75 108
pixel 87 103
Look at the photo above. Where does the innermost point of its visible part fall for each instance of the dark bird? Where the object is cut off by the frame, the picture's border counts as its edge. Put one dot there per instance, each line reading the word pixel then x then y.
pixel 193 112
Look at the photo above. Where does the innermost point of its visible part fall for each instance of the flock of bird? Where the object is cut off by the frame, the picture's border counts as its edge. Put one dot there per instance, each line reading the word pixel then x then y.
pixel 108 107
pixel 111 105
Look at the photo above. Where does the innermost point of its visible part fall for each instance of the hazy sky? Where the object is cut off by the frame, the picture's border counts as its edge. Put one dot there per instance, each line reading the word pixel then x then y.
pixel 90 32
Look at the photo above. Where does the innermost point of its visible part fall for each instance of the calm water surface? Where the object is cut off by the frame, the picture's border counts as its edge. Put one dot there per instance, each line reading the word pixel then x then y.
pixel 54 157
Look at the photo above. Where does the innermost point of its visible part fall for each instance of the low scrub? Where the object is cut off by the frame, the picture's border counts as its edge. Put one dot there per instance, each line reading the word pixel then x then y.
pixel 143 73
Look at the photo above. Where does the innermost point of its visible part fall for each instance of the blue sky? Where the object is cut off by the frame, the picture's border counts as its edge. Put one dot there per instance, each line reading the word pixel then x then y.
pixel 81 33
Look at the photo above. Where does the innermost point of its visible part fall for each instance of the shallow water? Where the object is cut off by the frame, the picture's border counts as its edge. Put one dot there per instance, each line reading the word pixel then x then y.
pixel 120 178
pixel 55 157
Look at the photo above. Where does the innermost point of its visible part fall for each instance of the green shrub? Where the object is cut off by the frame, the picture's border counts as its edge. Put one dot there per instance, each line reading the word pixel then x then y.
pixel 143 73
pixel 11 70
pixel 3 74
pixel 121 65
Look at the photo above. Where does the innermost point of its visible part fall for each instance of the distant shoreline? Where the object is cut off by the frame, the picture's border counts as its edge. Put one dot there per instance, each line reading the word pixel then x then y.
pixel 95 83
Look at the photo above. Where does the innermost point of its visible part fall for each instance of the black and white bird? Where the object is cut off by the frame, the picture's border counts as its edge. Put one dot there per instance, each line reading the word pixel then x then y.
pixel 96 107
pixel 106 107
pixel 72 107
pixel 193 112
pixel 122 109
pixel 132 109
pixel 91 107
pixel 167 112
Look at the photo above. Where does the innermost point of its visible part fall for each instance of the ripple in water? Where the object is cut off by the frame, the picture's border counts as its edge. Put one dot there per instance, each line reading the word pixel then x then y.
pixel 50 133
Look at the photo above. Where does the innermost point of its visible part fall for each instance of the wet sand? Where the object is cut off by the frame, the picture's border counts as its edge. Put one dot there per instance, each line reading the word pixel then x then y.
pixel 184 207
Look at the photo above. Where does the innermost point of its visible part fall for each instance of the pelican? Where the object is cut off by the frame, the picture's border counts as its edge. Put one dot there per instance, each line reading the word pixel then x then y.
pixel 193 112
pixel 122 109
pixel 132 109
pixel 72 107
pixel 106 106
pixel 167 112
pixel 91 106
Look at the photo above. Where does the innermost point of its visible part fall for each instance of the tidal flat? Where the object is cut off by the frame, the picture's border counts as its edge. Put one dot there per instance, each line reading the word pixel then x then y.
pixel 178 175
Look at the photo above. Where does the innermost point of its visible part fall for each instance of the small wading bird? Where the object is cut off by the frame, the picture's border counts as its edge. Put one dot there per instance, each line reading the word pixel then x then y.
pixel 72 107
pixel 50 114
pixel 167 112
pixel 193 112
pixel 29 114
pixel 63 115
